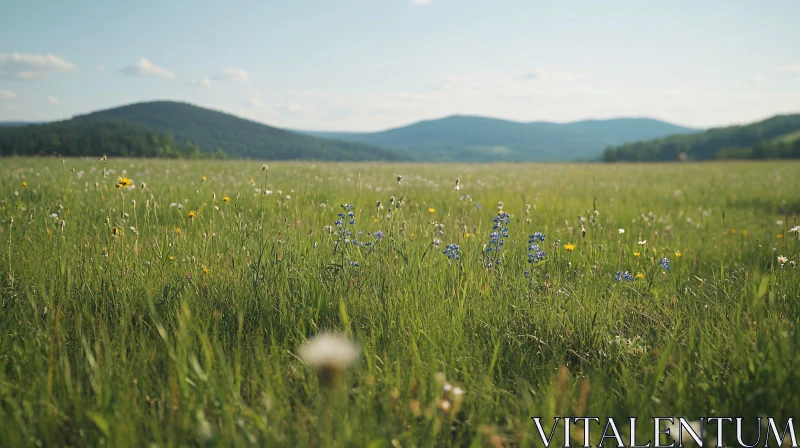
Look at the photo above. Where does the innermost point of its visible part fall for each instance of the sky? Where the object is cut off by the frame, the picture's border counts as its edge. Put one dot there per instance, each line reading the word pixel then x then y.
pixel 365 65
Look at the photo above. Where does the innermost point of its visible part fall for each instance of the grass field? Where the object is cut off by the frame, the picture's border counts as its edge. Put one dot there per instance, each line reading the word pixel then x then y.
pixel 126 322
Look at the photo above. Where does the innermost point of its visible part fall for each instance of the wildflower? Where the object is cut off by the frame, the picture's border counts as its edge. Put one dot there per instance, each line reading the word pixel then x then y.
pixel 330 355
pixel 569 247
pixel 226 199
pixel 116 231
pixel 178 230
pixel 203 178
pixel 636 254
pixel 399 178
pixel 192 214
pixel 453 251
pixel 204 268
pixel 378 234
pixel 664 262
pixel 431 210
pixel 626 275
pixel 123 182
pixel 678 254
pixel 252 181
pixel 24 184
pixel 621 231
pixel 354 263
pixel 782 259
pixel 642 242
pixel 795 229
pixel 264 167
pixel 733 231
pixel 780 236
pixel 458 186
pixel 171 257
pixel 536 236
pixel 640 275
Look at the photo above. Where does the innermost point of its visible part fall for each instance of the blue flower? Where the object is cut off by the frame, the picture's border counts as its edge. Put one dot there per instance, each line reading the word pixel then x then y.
pixel 664 263
pixel 353 263
pixel 626 275
pixel 536 236
pixel 453 251
pixel 378 234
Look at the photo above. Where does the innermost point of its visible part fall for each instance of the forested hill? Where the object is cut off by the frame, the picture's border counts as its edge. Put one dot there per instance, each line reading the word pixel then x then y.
pixel 774 138
pixel 94 138
pixel 188 126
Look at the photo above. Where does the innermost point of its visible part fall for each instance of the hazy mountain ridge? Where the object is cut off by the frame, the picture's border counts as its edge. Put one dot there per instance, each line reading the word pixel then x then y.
pixel 474 138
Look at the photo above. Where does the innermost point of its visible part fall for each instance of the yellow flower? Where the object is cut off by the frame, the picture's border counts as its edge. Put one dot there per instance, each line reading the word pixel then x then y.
pixel 192 214
pixel 226 199
pixel 678 254
pixel 178 230
pixel 374 219
pixel 636 254
pixel 252 181
pixel 744 232
pixel 780 236
pixel 116 231
pixel 205 269
pixel 24 184
pixel 124 182
pixel 569 247
pixel 640 275
pixel 431 210
pixel 203 178
pixel 466 235
pixel 733 231
pixel 171 257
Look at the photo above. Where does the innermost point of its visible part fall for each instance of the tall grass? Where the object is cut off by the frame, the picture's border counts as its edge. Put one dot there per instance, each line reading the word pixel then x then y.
pixel 132 324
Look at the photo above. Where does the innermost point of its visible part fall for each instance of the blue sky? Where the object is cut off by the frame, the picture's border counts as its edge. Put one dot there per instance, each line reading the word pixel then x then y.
pixel 375 64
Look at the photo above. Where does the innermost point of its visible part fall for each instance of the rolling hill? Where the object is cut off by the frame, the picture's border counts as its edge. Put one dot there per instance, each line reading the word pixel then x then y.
pixel 210 132
pixel 776 137
pixel 482 139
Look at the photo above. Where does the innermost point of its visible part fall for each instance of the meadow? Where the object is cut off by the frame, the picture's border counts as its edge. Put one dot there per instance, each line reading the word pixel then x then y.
pixel 173 310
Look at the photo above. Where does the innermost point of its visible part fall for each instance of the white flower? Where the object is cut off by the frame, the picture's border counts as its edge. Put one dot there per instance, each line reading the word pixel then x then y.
pixel 329 353
pixel 795 229
pixel 779 222
pixel 621 231
pixel 643 242
pixel 782 259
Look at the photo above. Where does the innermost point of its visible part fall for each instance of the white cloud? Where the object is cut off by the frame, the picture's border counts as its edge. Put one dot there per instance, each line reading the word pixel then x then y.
pixel 53 100
pixel 101 68
pixel 31 66
pixel 420 2
pixel 256 102
pixel 147 68
pixel 791 68
pixel 7 94
pixel 202 82
pixel 758 78
pixel 540 74
pixel 233 74
pixel 537 74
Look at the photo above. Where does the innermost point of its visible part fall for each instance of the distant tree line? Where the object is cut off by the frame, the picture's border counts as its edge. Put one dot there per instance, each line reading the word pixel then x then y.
pixel 775 138
pixel 95 138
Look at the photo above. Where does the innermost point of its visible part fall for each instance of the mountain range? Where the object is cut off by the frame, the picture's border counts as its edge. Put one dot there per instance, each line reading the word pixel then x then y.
pixel 175 129
pixel 483 139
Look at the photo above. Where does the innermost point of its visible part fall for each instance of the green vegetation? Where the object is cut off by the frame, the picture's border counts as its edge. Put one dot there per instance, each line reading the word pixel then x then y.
pixel 775 138
pixel 238 138
pixel 95 138
pixel 172 312
pixel 475 139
